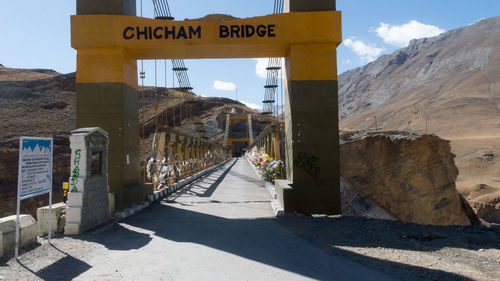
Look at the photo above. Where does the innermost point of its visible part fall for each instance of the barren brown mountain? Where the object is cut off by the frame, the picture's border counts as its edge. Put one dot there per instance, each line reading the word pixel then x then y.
pixel 447 85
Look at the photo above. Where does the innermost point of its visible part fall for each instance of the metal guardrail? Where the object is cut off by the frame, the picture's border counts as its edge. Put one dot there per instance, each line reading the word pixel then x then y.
pixel 178 156
pixel 167 173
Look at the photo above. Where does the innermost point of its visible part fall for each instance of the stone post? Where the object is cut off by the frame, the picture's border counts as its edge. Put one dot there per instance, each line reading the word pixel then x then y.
pixel 88 197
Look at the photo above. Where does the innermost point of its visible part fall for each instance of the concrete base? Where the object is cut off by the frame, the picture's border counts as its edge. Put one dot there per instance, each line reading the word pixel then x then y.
pixel 286 195
pixel 27 233
pixel 72 228
pixel 105 105
pixel 42 215
pixel 130 195
pixel 312 149
pixel 277 208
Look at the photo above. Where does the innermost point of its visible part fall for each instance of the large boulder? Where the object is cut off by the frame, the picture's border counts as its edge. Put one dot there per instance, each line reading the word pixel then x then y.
pixel 411 177
pixel 356 204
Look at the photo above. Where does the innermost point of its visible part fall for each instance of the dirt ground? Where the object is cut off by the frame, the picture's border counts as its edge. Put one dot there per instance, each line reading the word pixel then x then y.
pixel 409 251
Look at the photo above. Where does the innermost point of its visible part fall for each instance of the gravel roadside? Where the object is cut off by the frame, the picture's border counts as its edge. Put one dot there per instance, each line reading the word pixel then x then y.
pixel 408 251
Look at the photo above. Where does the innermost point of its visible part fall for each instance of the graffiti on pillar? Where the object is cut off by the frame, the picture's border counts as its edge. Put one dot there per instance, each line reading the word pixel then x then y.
pixel 307 163
pixel 76 171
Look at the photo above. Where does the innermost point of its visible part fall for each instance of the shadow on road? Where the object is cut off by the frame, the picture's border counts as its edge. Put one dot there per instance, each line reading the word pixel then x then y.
pixel 265 240
pixel 216 184
pixel 216 181
pixel 352 231
pixel 66 268
pixel 330 233
pixel 300 244
pixel 117 238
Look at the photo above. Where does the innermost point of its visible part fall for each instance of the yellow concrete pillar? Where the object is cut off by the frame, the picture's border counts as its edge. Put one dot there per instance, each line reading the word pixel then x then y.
pixel 312 128
pixel 277 148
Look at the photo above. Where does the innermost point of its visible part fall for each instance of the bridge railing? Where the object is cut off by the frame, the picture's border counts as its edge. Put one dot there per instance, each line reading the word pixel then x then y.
pixel 267 153
pixel 177 156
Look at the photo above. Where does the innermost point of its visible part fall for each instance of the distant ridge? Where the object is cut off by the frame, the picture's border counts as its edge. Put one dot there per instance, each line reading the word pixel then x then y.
pixel 215 18
pixel 452 79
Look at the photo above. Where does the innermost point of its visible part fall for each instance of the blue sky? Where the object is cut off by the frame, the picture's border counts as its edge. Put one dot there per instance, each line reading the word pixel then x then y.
pixel 36 34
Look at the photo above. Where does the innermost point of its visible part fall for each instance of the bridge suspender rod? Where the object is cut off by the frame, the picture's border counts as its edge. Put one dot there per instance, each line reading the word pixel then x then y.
pixel 166 95
pixel 273 70
pixel 179 69
pixel 162 11
pixel 156 97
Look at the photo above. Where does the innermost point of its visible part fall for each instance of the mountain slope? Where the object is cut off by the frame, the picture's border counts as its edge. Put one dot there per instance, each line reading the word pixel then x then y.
pixel 456 74
pixel 447 85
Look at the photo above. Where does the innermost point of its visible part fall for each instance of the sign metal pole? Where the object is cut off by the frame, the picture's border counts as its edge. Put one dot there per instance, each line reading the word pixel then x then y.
pixel 50 191
pixel 18 209
pixel 33 189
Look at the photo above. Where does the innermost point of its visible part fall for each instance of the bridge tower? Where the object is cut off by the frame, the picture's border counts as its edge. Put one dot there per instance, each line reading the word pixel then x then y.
pixel 229 139
pixel 107 96
pixel 311 121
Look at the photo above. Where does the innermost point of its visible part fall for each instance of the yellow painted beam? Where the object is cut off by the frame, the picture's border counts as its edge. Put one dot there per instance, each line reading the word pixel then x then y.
pixel 106 65
pixel 238 117
pixel 230 141
pixel 266 36
pixel 300 56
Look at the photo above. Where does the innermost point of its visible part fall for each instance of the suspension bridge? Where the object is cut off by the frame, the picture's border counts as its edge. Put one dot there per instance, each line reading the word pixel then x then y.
pixel 175 155
pixel 305 34
pixel 212 210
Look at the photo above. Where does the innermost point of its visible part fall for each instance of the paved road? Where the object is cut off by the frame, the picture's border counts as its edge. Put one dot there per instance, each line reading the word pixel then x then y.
pixel 220 229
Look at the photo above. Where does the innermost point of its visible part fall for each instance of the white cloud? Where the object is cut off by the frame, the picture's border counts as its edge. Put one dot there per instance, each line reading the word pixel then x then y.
pixel 401 35
pixel 224 86
pixel 252 105
pixel 260 68
pixel 367 53
pixel 262 64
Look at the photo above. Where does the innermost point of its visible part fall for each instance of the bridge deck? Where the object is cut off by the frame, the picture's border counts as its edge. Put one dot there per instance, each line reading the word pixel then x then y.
pixel 220 229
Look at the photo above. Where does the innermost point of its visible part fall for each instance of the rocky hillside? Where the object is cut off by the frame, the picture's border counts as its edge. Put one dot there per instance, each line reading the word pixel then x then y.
pixel 42 103
pixel 447 85
pixel 456 74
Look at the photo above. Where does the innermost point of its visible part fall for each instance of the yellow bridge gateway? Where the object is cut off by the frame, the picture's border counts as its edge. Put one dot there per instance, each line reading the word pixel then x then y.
pixel 110 39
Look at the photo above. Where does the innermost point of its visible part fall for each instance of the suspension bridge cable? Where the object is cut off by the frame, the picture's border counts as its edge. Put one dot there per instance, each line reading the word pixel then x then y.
pixel 179 69
pixel 273 69
pixel 162 11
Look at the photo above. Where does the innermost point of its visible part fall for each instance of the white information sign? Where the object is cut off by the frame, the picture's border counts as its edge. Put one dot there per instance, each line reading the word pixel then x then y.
pixel 35 173
pixel 35 166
